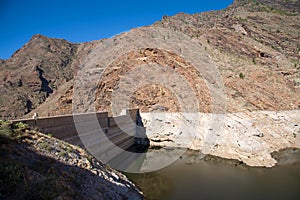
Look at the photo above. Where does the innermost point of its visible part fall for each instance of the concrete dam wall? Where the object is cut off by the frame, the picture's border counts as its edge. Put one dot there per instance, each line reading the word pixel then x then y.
pixel 96 132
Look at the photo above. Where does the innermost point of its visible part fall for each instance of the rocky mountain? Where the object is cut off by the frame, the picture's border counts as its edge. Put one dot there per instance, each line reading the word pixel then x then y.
pixel 36 72
pixel 255 45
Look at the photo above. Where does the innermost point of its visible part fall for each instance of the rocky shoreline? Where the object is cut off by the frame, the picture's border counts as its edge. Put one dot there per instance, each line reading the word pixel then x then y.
pixel 249 137
pixel 289 156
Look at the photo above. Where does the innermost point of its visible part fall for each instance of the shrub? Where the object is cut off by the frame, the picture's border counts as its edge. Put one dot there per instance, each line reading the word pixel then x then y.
pixel 10 177
pixel 20 125
pixel 241 75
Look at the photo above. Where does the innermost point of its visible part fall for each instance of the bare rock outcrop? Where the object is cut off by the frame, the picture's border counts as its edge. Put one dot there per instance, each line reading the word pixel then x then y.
pixel 250 137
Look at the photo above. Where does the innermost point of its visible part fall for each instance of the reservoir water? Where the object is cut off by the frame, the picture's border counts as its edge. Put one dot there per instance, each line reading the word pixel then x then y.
pixel 193 177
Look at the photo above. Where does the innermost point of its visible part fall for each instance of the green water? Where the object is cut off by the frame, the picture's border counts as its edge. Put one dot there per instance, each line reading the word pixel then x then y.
pixel 213 178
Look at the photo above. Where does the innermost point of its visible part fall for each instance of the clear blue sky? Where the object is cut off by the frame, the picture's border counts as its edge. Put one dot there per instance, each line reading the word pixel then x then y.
pixel 82 21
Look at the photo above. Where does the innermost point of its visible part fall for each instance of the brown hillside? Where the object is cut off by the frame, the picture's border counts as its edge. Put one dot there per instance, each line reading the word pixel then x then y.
pixel 254 44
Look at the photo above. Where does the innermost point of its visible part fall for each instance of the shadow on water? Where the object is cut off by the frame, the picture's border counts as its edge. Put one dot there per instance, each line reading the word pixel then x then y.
pixel 132 158
pixel 216 178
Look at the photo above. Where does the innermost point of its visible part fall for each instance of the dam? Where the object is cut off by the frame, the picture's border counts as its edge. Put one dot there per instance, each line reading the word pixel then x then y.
pixel 105 137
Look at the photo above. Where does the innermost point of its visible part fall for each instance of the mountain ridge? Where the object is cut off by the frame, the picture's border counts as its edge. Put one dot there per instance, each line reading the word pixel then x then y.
pixel 253 43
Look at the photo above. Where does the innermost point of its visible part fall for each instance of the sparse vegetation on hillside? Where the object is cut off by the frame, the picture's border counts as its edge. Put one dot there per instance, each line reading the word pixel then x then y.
pixel 36 166
pixel 257 37
pixel 241 75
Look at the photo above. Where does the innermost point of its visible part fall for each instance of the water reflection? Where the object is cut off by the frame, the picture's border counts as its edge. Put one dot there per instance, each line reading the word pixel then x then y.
pixel 155 186
pixel 212 178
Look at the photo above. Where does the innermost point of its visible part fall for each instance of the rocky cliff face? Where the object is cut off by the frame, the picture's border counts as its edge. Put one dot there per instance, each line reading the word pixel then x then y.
pixel 33 74
pixel 36 72
pixel 254 44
